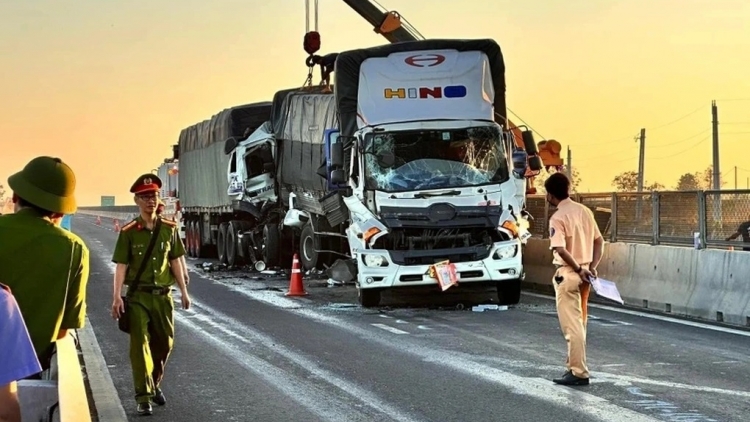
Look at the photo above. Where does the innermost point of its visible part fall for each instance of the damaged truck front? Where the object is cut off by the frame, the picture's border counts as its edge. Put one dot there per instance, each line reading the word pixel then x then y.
pixel 424 169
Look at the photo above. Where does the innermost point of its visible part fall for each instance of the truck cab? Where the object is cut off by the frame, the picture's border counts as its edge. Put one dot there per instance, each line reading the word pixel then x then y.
pixel 428 174
pixel 251 169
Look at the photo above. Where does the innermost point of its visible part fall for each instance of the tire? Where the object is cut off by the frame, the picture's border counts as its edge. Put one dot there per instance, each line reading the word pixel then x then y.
pixel 368 298
pixel 271 245
pixel 232 248
pixel 221 246
pixel 308 247
pixel 509 292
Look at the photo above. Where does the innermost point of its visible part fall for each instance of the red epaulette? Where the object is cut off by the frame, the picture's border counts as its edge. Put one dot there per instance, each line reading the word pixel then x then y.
pixel 170 223
pixel 129 226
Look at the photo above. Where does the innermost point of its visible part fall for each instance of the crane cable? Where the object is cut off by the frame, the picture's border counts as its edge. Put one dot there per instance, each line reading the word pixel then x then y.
pixel 311 41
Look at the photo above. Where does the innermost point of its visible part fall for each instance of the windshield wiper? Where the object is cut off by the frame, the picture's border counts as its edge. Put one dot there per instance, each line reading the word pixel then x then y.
pixel 422 195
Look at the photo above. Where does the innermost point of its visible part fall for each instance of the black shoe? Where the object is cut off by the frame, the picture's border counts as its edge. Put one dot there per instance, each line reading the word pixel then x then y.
pixel 144 409
pixel 159 397
pixel 570 379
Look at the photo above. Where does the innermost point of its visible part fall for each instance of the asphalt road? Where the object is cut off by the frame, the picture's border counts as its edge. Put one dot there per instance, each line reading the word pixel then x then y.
pixel 246 352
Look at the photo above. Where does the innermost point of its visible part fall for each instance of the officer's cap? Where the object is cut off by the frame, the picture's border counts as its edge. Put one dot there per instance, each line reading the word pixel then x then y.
pixel 146 183
pixel 47 183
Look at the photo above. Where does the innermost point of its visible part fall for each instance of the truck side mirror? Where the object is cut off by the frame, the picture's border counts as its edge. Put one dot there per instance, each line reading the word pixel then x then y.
pixel 338 177
pixel 337 155
pixel 528 143
pixel 229 145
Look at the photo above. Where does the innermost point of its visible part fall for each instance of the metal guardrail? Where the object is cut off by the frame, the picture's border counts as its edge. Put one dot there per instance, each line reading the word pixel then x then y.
pixel 658 218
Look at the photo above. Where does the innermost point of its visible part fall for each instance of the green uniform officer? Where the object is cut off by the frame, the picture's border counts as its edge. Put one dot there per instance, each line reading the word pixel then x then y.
pixel 151 307
pixel 46 267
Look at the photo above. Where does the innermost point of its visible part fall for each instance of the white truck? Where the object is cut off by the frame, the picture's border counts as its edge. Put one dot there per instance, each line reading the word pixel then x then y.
pixel 415 171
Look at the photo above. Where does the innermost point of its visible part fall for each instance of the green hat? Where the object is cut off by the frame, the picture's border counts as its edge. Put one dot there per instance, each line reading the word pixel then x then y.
pixel 47 183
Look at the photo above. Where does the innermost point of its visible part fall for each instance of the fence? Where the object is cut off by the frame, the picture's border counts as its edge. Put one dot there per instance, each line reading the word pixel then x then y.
pixel 658 218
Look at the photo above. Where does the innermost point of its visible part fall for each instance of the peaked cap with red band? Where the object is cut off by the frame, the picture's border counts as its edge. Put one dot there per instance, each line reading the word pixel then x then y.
pixel 146 183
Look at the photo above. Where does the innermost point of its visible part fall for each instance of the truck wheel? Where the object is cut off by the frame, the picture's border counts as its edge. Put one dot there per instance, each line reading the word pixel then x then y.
pixel 232 248
pixel 221 245
pixel 368 298
pixel 308 247
pixel 509 292
pixel 271 245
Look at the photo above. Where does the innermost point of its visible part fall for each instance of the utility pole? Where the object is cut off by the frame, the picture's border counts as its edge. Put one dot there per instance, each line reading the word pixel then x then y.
pixel 569 167
pixel 715 125
pixel 716 174
pixel 735 177
pixel 641 168
pixel 641 160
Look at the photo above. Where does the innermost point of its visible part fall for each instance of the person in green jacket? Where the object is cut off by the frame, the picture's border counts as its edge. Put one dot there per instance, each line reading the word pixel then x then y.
pixel 150 307
pixel 45 266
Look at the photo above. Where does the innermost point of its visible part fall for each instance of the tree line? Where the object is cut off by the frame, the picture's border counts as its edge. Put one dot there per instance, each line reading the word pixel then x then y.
pixel 627 181
pixel 701 180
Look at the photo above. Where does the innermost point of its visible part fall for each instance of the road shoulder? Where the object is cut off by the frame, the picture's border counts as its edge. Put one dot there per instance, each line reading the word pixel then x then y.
pixel 107 402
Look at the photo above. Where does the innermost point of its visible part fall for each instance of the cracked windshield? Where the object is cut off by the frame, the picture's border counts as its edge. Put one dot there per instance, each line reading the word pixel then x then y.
pixel 438 159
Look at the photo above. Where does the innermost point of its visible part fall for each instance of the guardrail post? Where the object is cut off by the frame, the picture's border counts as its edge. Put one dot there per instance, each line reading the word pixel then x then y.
pixel 613 221
pixel 702 218
pixel 655 213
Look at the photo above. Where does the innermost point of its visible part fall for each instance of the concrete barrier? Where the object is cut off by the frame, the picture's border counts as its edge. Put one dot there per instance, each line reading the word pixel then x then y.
pixel 122 217
pixel 704 284
pixel 61 395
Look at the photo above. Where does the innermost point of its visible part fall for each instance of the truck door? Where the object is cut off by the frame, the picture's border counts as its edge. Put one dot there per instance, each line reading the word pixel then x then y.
pixel 235 175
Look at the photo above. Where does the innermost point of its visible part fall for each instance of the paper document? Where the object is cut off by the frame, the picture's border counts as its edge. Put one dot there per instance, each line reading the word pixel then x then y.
pixel 606 289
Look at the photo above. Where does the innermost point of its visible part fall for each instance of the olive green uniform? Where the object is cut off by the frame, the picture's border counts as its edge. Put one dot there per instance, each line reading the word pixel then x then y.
pixel 151 305
pixel 47 268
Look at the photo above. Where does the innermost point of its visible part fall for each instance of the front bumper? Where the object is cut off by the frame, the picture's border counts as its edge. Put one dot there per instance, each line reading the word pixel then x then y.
pixel 503 263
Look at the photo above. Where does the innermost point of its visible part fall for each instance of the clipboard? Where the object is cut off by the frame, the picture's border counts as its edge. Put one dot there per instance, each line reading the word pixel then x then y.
pixel 606 289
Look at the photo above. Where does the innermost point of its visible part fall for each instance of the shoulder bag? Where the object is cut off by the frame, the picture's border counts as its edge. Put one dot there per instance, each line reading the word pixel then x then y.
pixel 123 323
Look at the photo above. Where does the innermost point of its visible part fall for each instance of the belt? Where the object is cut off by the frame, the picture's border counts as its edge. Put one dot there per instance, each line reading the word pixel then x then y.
pixel 154 290
pixel 558 266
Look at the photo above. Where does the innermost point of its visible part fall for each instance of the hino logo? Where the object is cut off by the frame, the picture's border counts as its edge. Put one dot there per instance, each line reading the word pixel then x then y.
pixel 424 60
pixel 450 91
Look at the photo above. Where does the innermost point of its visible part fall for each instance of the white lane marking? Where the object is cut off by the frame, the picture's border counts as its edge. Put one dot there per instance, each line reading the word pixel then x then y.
pixel 389 328
pixel 656 317
pixel 537 388
pixel 218 321
pixel 304 393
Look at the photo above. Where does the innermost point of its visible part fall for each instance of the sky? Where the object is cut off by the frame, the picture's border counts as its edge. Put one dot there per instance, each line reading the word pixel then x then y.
pixel 108 85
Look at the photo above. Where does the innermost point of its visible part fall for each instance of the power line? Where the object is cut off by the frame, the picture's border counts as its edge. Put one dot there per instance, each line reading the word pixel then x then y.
pixel 650 146
pixel 524 122
pixel 684 150
pixel 658 158
pixel 678 119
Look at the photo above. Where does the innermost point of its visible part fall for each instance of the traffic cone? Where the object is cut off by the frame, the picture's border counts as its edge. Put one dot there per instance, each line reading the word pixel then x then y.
pixel 296 288
pixel 117 226
pixel 98 220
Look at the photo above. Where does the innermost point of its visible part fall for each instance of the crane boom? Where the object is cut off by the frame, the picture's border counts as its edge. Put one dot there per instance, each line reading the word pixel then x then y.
pixel 386 23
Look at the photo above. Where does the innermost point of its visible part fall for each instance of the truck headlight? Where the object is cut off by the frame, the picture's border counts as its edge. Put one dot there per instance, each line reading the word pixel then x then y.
pixel 372 260
pixel 505 252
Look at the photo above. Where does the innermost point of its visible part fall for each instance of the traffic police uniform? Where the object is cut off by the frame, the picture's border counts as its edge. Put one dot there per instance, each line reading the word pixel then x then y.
pixel 46 267
pixel 151 305
pixel 573 228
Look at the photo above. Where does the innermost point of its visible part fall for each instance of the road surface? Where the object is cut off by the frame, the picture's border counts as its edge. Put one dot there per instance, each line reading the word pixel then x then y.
pixel 245 352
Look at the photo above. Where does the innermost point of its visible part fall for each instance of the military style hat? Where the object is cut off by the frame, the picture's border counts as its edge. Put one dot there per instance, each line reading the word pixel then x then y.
pixel 146 183
pixel 47 183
